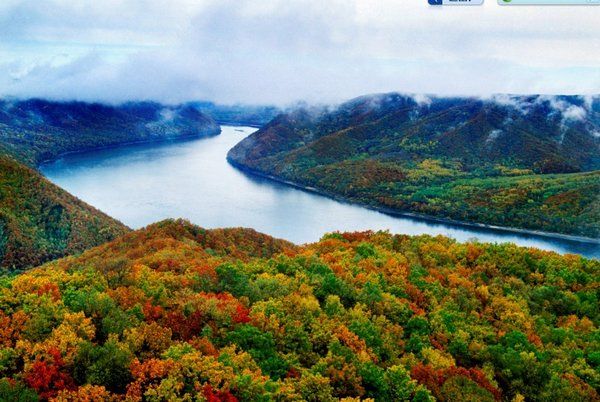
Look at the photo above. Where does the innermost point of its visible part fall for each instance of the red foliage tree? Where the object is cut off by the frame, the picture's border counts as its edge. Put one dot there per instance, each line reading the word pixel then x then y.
pixel 217 396
pixel 241 315
pixel 46 376
pixel 152 312
pixel 184 327
pixel 50 289
pixel 435 379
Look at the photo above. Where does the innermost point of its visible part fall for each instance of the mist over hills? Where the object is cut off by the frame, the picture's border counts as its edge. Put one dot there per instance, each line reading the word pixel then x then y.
pixel 238 114
pixel 40 221
pixel 546 133
pixel 500 160
pixel 36 130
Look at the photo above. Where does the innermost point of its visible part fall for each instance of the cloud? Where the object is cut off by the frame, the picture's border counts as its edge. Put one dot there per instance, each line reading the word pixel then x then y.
pixel 575 113
pixel 588 101
pixel 568 111
pixel 276 51
pixel 422 100
pixel 518 102
pixel 493 136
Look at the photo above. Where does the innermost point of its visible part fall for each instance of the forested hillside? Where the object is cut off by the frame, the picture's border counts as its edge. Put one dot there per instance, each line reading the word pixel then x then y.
pixel 176 312
pixel 36 130
pixel 40 221
pixel 529 162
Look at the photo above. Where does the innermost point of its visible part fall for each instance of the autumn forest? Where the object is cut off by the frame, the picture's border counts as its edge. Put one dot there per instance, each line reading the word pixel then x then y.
pixel 176 312
pixel 91 310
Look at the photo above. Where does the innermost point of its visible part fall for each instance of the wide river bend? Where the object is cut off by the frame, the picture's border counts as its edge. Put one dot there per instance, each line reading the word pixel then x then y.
pixel 145 183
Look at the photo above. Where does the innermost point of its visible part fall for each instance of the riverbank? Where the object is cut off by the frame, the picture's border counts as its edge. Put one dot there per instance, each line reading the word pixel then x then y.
pixel 430 218
pixel 157 141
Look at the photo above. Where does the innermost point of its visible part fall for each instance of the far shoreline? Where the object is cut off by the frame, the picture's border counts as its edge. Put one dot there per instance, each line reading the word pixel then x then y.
pixel 39 164
pixel 430 218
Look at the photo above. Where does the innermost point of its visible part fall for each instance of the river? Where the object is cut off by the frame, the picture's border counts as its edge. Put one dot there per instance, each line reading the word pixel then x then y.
pixel 144 183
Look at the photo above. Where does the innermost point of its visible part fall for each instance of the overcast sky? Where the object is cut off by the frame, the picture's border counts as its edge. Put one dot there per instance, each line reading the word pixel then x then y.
pixel 282 51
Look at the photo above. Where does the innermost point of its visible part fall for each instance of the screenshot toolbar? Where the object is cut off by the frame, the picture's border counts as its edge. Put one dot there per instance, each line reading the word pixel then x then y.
pixel 516 2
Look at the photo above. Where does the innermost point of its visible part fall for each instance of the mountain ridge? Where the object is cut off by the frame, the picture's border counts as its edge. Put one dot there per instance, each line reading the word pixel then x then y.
pixel 37 130
pixel 405 153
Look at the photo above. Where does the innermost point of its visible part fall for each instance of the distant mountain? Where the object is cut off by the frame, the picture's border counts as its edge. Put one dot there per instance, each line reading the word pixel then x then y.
pixel 500 160
pixel 238 114
pixel 547 134
pixel 40 222
pixel 36 130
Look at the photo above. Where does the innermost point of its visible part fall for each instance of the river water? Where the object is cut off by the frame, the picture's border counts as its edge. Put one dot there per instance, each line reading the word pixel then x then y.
pixel 142 184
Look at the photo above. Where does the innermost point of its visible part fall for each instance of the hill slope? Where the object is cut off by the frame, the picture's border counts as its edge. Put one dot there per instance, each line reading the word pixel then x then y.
pixel 37 130
pixel 529 162
pixel 40 222
pixel 174 312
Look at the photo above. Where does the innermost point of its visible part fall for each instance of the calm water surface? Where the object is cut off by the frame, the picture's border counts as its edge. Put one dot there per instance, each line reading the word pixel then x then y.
pixel 142 184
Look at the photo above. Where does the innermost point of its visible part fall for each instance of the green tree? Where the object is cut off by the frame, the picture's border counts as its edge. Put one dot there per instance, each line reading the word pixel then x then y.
pixel 106 365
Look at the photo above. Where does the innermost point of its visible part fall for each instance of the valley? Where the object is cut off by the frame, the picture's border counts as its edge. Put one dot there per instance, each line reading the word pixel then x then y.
pixel 192 179
pixel 299 201
pixel 318 298
pixel 507 161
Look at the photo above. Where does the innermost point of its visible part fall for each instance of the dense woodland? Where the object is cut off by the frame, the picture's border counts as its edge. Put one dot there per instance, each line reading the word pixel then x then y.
pixel 526 162
pixel 40 222
pixel 36 130
pixel 175 312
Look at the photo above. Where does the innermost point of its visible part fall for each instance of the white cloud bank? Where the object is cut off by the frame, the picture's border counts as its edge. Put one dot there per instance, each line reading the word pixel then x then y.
pixel 281 51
